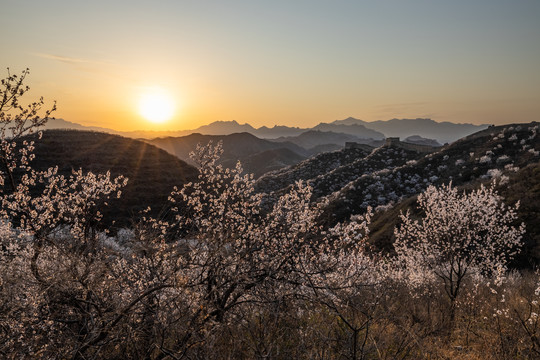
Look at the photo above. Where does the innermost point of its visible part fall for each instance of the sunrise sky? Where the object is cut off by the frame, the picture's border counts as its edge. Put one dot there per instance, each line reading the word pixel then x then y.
pixel 285 62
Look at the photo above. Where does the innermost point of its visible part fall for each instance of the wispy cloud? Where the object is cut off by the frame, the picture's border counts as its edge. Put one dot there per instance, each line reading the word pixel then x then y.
pixel 66 59
pixel 85 65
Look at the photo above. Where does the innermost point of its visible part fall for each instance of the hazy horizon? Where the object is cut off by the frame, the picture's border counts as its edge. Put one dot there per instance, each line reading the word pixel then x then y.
pixel 278 63
pixel 307 127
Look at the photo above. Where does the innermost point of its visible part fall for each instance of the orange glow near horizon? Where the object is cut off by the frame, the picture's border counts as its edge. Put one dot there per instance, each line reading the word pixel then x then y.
pixel 156 105
pixel 223 62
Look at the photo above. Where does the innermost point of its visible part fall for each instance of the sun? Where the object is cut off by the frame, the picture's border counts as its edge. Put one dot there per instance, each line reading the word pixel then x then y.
pixel 156 105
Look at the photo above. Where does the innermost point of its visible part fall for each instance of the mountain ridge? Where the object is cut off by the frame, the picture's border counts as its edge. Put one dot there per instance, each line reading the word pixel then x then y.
pixel 443 132
pixel 243 147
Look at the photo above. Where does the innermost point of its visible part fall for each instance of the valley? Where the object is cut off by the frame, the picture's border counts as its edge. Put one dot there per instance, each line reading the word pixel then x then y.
pixel 346 180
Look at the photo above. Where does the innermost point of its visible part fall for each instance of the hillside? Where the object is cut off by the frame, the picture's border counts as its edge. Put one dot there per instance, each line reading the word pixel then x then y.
pixel 242 147
pixel 522 186
pixel 267 161
pixel 277 131
pixel 416 139
pixel 363 131
pixel 382 158
pixel 330 172
pixel 389 177
pixel 152 172
pixel 494 152
pixel 310 168
pixel 313 138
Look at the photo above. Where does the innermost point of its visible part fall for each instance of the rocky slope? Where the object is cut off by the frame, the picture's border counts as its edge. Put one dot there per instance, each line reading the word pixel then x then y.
pixel 496 152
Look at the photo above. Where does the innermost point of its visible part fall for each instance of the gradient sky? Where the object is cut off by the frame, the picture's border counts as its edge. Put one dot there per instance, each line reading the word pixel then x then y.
pixel 281 62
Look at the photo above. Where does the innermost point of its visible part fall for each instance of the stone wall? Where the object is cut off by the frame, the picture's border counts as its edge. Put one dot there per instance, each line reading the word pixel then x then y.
pixel 395 142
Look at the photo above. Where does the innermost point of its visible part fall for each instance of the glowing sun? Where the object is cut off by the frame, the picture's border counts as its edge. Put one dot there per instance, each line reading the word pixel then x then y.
pixel 156 105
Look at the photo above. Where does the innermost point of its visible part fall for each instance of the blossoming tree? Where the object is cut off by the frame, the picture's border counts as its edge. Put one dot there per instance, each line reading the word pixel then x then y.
pixel 459 234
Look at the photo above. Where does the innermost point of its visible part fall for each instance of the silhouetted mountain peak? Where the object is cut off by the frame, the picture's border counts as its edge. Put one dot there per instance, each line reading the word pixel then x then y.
pixel 356 129
pixel 224 128
pixel 349 121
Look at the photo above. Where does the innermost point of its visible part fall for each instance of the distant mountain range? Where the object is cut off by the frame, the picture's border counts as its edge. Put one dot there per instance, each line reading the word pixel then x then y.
pixel 266 149
pixel 443 132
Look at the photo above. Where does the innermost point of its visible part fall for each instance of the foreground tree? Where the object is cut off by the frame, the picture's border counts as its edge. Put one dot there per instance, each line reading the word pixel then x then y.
pixel 459 234
pixel 351 291
pixel 16 121
pixel 67 292
pixel 52 264
pixel 238 276
pixel 237 253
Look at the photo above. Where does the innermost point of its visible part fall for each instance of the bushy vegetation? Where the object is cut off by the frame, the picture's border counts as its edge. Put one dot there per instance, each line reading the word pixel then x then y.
pixel 229 275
